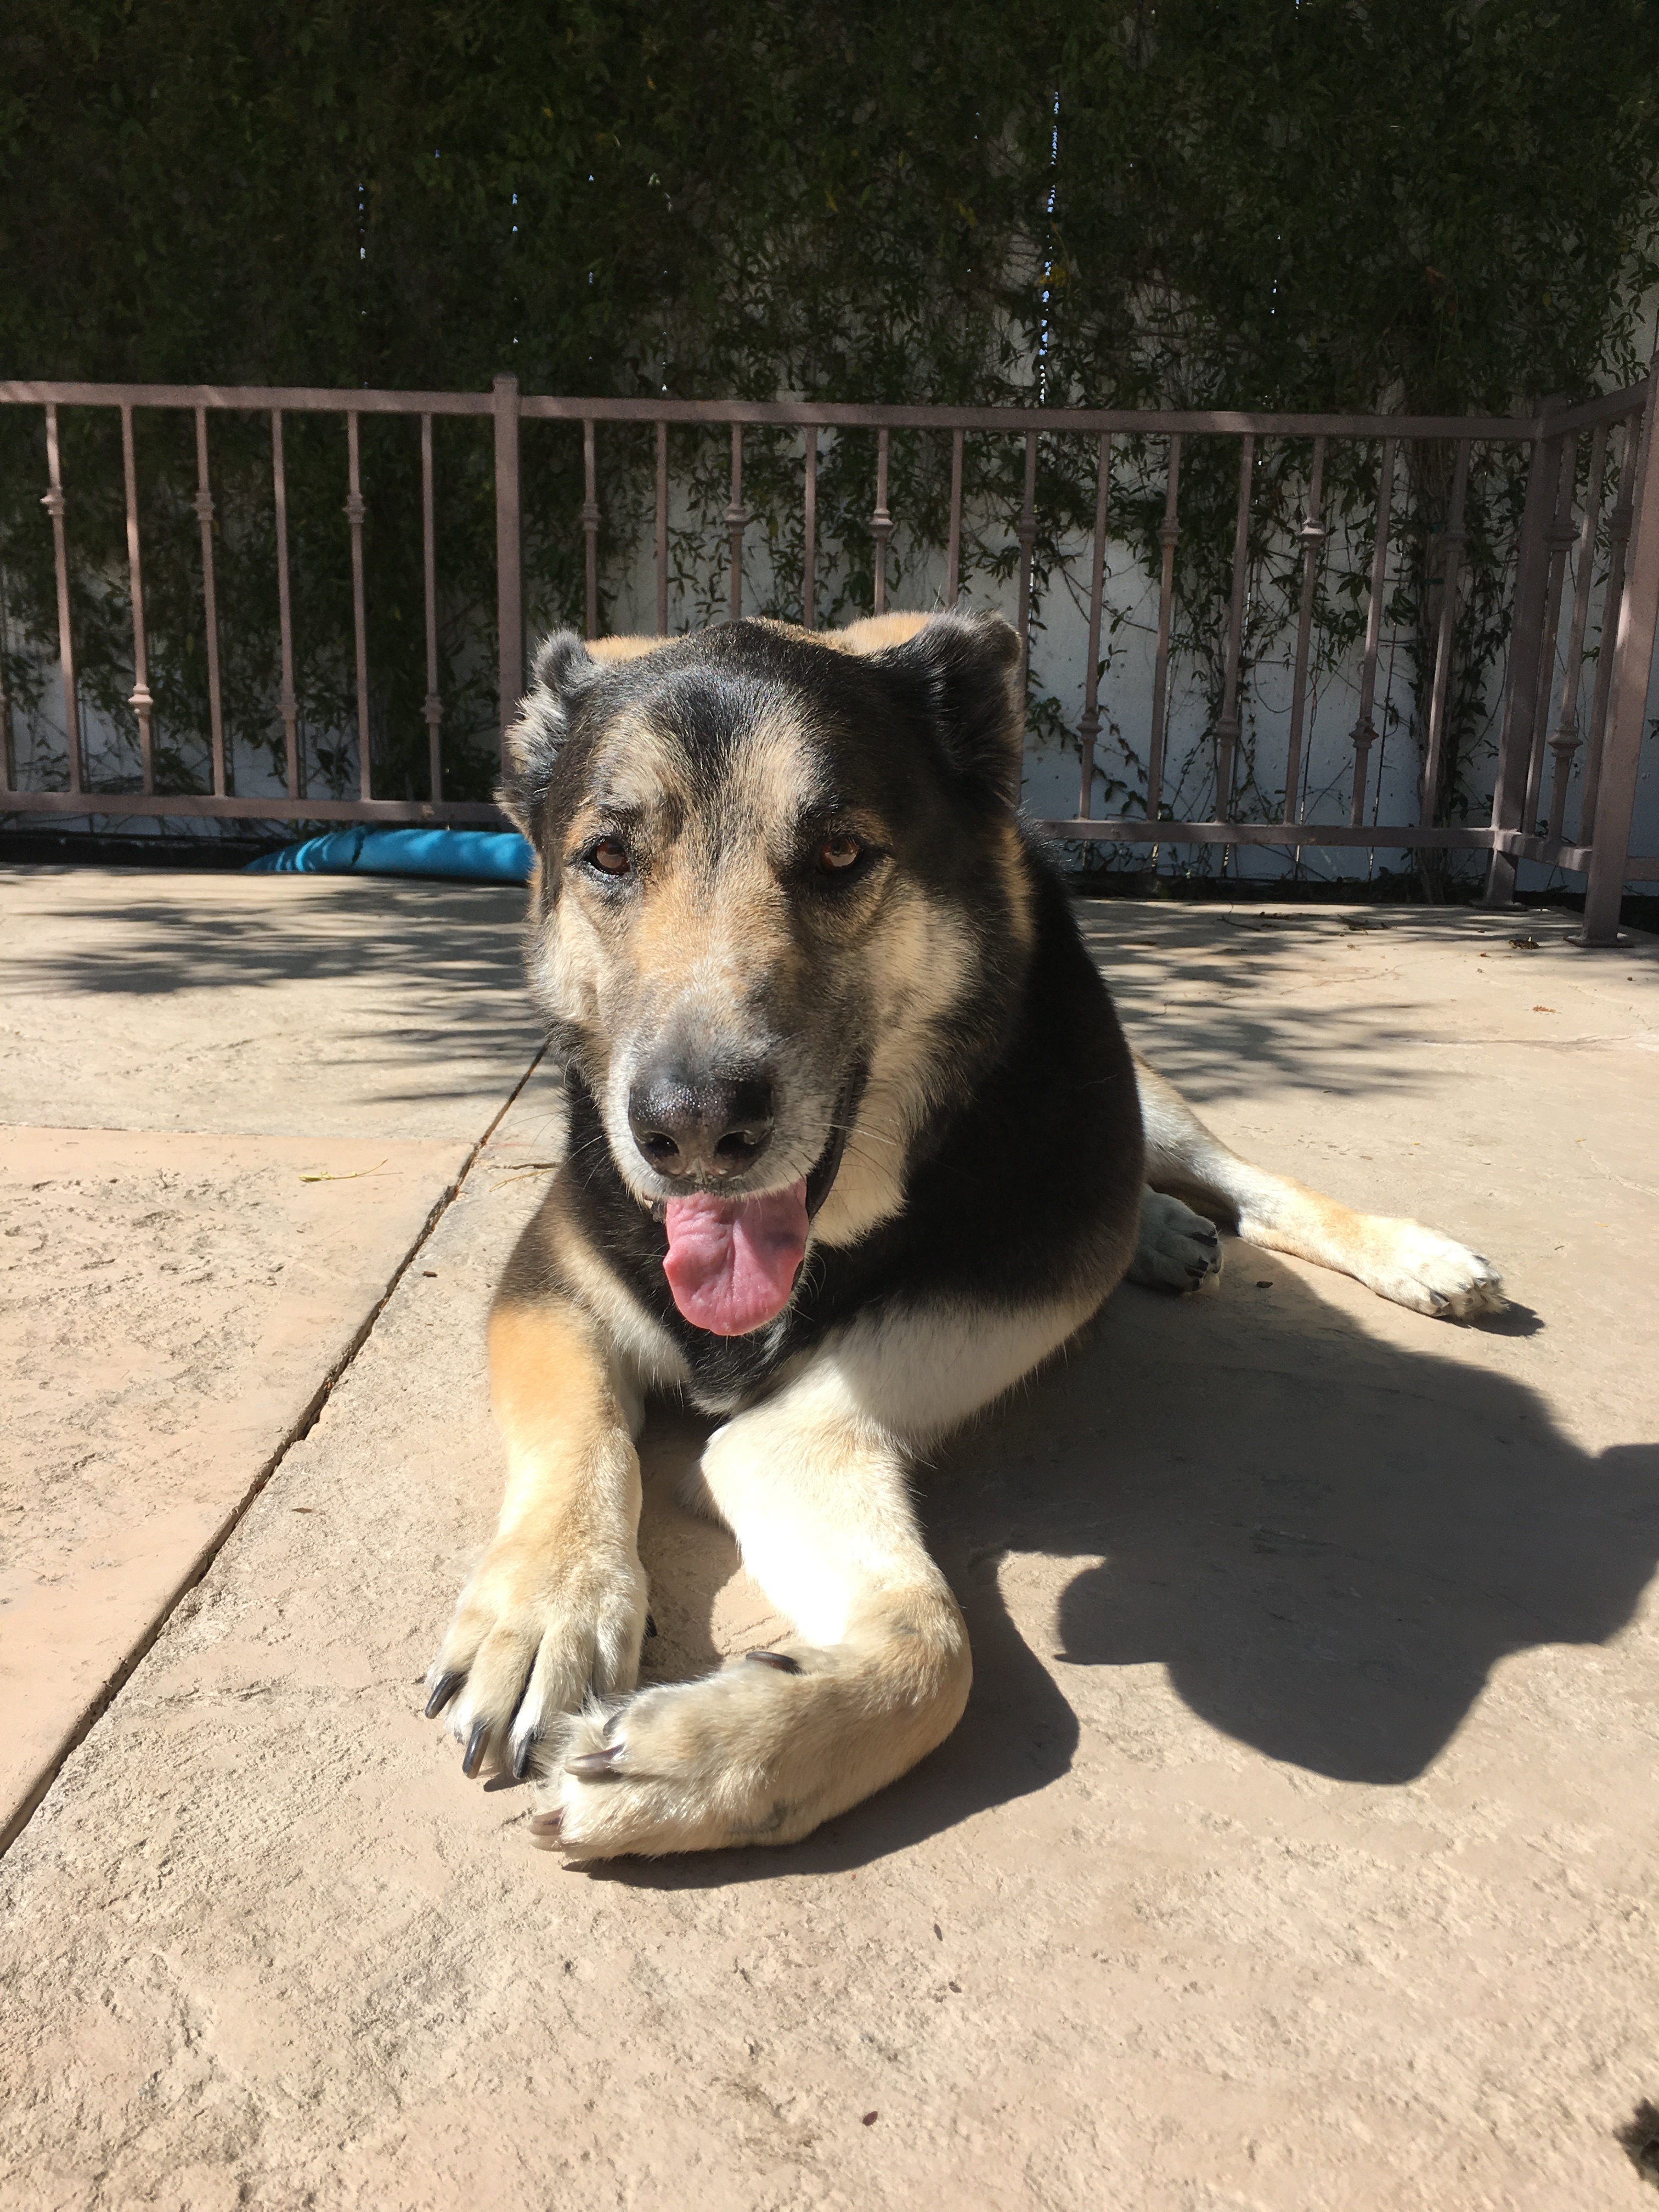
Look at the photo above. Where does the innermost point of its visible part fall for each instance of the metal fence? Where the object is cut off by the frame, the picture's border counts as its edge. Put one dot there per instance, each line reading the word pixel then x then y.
pixel 1564 533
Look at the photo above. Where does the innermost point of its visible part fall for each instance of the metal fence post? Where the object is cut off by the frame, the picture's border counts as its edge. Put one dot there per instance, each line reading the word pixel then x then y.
pixel 54 502
pixel 509 554
pixel 139 699
pixel 1526 645
pixel 1633 665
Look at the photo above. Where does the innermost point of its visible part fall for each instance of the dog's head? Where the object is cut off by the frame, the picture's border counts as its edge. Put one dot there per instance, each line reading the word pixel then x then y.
pixel 782 902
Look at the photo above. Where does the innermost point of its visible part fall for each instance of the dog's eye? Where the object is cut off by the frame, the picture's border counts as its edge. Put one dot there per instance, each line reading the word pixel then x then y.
pixel 609 857
pixel 836 854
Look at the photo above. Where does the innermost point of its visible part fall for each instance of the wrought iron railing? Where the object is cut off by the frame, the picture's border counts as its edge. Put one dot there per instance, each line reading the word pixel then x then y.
pixel 1561 539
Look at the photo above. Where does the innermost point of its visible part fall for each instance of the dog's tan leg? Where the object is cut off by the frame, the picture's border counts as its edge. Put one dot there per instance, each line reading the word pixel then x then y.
pixel 1398 1258
pixel 556 1608
pixel 813 1483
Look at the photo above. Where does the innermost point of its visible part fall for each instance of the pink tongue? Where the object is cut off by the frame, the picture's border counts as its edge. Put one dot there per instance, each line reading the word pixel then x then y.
pixel 732 1261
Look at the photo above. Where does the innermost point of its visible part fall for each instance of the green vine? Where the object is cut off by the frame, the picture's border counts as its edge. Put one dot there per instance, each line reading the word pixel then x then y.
pixel 1338 204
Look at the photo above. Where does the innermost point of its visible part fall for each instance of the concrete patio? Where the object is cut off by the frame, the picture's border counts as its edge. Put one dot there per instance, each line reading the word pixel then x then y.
pixel 1295 1850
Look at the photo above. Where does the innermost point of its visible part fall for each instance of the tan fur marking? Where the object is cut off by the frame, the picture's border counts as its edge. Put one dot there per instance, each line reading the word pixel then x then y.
pixel 871 634
pixel 718 925
pixel 554 1399
pixel 1017 890
pixel 556 1608
pixel 624 648
pixel 565 956
pixel 640 766
pixel 874 634
pixel 769 780
pixel 918 973
pixel 646 1355
pixel 720 933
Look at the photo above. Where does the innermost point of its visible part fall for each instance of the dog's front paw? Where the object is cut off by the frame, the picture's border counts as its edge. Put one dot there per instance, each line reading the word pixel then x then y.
pixel 1178 1250
pixel 693 1767
pixel 538 1633
pixel 1419 1268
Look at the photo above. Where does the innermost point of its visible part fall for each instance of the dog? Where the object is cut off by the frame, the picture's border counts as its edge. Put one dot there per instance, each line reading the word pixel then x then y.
pixel 855 1144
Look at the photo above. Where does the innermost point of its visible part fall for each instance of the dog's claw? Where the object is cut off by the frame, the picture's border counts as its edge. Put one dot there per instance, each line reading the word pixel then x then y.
pixel 473 1758
pixel 544 1829
pixel 443 1690
pixel 595 1762
pixel 781 1659
pixel 522 1756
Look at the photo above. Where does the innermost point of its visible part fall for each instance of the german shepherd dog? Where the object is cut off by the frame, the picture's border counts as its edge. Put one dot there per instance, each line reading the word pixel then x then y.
pixel 855 1143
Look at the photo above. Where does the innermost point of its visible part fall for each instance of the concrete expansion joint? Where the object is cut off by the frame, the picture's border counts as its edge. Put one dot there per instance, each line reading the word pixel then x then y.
pixel 111 1688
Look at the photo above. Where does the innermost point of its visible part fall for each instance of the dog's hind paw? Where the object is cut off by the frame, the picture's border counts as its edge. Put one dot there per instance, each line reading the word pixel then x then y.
pixel 1178 1250
pixel 1419 1268
pixel 687 1766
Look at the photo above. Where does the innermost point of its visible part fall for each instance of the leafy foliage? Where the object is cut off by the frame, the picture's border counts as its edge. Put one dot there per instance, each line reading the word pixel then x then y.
pixel 1339 204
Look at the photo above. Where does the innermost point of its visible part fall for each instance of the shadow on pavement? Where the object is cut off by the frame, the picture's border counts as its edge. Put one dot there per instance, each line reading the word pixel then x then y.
pixel 1327 1540
pixel 434 970
pixel 1311 998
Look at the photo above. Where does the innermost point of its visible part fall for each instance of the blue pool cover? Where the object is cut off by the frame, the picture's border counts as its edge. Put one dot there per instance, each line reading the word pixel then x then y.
pixel 476 856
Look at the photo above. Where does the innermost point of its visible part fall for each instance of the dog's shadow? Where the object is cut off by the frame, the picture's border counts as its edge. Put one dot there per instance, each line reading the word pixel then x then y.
pixel 1327 1541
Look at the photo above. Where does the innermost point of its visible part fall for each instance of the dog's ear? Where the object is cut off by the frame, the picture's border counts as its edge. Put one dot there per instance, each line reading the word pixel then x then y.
pixel 962 670
pixel 563 670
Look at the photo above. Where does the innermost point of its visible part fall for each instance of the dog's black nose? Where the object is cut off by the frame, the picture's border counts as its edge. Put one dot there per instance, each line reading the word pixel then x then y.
pixel 713 1128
